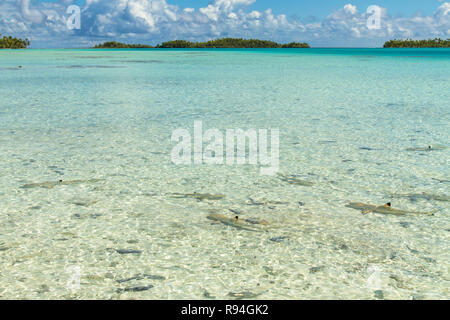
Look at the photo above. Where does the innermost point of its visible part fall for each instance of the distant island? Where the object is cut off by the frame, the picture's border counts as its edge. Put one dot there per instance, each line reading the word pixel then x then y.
pixel 219 43
pixel 120 45
pixel 13 43
pixel 231 43
pixel 430 43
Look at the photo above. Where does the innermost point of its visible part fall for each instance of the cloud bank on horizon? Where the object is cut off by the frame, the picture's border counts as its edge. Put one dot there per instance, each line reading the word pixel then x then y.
pixel 153 21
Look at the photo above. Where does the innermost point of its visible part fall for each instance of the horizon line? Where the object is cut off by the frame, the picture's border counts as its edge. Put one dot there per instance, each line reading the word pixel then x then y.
pixel 87 48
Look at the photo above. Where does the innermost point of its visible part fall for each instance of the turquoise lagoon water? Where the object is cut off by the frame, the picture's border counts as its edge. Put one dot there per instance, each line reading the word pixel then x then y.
pixel 346 118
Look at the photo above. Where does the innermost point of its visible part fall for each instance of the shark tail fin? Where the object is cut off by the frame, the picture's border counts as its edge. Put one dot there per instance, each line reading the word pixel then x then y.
pixel 429 213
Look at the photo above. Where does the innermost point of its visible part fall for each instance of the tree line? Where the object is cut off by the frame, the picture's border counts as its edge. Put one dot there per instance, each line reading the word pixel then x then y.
pixel 8 42
pixel 120 45
pixel 218 43
pixel 409 43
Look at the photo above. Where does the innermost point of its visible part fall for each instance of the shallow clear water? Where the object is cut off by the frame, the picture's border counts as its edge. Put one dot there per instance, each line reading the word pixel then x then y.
pixel 346 118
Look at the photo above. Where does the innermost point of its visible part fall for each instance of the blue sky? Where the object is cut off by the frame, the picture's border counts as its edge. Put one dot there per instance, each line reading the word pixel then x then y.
pixel 322 8
pixel 318 8
pixel 334 23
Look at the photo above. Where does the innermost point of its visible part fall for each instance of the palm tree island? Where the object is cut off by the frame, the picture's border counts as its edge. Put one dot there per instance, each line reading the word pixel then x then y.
pixel 409 43
pixel 218 43
pixel 13 43
pixel 120 45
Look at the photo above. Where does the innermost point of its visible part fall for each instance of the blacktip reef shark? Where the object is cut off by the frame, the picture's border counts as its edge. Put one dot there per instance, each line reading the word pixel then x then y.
pixel 244 295
pixel 441 180
pixel 292 179
pixel 236 222
pixel 264 202
pixel 198 196
pixel 52 184
pixel 385 209
pixel 429 148
pixel 424 196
